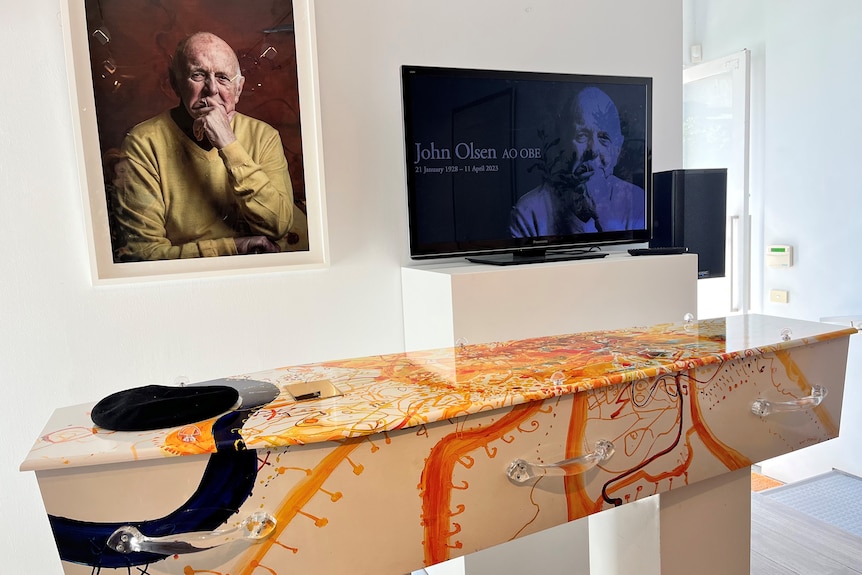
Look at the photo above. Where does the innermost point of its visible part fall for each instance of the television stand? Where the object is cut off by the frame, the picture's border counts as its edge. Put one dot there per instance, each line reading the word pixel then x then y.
pixel 512 259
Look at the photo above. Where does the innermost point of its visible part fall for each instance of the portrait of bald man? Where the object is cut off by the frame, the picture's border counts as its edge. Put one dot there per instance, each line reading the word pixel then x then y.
pixel 202 179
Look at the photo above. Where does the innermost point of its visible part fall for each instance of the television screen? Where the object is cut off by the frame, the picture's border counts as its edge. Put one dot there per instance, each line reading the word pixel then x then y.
pixel 525 166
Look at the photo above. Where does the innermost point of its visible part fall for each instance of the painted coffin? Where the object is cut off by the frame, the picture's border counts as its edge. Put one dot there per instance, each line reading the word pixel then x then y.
pixel 412 464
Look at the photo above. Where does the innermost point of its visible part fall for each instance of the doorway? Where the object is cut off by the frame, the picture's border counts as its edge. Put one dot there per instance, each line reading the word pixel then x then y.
pixel 716 135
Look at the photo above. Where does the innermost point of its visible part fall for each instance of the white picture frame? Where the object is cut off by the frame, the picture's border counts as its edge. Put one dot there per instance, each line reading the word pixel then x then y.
pixel 89 156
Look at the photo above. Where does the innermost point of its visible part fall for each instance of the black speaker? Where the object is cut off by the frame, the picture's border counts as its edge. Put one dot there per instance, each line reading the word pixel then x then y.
pixel 689 210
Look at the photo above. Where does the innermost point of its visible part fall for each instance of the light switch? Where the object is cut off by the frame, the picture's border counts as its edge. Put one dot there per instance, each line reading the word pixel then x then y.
pixel 779 296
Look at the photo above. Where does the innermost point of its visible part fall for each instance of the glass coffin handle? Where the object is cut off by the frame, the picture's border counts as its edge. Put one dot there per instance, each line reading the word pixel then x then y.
pixel 764 407
pixel 128 539
pixel 521 471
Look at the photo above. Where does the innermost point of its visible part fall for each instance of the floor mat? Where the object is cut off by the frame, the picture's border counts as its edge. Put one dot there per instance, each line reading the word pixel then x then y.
pixel 834 498
pixel 762 482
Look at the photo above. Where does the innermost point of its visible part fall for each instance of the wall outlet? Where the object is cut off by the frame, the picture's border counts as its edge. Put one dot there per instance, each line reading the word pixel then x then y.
pixel 779 296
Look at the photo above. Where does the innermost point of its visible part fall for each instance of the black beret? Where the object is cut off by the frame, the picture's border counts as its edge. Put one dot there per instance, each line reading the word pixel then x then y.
pixel 158 406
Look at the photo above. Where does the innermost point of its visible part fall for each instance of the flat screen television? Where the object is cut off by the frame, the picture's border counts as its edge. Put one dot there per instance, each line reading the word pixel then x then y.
pixel 516 167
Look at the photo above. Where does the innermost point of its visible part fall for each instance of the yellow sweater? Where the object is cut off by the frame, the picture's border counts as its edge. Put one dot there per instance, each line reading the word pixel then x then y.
pixel 177 200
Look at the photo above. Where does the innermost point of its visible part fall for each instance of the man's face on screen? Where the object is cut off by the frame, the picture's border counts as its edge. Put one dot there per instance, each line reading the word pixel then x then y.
pixel 596 138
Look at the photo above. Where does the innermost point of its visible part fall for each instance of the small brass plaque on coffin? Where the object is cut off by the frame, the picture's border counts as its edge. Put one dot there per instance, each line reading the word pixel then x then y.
pixel 318 389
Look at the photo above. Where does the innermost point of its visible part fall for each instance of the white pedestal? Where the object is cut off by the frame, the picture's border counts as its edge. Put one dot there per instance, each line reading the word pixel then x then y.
pixel 482 303
pixel 718 540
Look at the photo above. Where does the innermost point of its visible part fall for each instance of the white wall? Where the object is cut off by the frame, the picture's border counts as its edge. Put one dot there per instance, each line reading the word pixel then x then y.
pixel 64 341
pixel 805 190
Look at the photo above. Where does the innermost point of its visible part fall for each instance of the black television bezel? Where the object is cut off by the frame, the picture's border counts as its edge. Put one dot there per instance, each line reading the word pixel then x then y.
pixel 527 247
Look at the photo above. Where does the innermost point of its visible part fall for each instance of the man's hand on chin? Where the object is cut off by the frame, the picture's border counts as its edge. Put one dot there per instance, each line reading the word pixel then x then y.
pixel 213 123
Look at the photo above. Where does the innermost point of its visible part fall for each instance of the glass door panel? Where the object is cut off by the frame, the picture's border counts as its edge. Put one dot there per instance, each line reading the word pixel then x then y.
pixel 715 135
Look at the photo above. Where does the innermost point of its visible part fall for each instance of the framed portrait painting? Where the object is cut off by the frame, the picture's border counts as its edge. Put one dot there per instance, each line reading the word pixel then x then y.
pixel 198 136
